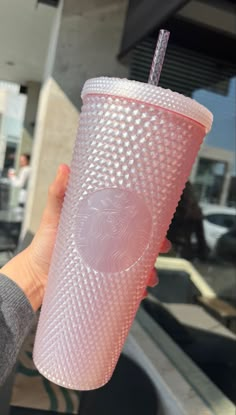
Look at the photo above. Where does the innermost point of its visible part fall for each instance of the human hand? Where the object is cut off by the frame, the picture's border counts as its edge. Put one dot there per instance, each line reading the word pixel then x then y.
pixel 41 248
pixel 11 173
pixel 29 269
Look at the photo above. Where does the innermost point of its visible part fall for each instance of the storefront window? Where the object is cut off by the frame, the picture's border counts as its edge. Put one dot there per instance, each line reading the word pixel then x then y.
pixel 214 176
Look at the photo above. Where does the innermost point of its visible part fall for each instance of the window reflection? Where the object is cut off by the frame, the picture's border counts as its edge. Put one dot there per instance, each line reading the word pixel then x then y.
pixel 214 173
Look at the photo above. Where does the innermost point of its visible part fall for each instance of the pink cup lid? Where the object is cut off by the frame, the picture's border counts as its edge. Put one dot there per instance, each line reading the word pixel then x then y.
pixel 150 94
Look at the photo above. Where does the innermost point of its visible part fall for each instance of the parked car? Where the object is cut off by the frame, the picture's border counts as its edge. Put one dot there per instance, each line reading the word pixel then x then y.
pixel 217 220
pixel 226 246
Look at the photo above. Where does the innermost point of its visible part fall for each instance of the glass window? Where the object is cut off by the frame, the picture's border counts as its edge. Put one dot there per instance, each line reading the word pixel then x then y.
pixel 215 173
pixel 201 228
pixel 227 221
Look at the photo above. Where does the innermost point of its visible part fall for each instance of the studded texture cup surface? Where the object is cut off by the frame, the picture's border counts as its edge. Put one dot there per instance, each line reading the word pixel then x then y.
pixel 130 163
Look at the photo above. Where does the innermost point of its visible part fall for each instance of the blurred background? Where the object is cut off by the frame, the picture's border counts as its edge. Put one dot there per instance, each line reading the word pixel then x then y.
pixel 48 49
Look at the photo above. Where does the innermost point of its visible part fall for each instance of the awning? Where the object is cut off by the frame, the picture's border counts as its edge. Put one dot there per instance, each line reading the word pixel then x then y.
pixel 144 16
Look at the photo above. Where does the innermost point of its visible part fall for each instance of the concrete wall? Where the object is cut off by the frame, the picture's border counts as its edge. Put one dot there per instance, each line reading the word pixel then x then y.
pixel 55 132
pixel 26 143
pixel 33 91
pixel 52 45
pixel 87 46
pixel 24 35
pixel 2 138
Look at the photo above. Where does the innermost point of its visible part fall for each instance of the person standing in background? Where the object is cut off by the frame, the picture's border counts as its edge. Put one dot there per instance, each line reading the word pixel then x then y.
pixel 188 221
pixel 22 179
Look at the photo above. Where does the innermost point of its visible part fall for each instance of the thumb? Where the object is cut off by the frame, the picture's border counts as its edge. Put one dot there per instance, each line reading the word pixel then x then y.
pixel 56 195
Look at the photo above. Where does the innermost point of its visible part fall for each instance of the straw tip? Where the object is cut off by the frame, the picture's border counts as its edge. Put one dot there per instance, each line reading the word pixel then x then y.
pixel 158 57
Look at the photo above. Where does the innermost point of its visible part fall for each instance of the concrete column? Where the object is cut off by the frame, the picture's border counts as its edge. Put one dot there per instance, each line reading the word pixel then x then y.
pixel 88 43
pixel 26 143
pixel 2 140
pixel 89 34
pixel 2 135
pixel 33 90
pixel 57 121
pixel 2 147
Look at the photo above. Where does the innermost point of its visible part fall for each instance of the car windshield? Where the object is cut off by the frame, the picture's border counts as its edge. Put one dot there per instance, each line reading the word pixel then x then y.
pixel 225 220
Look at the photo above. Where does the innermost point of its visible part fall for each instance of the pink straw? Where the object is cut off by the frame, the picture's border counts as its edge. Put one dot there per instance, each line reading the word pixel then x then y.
pixel 158 57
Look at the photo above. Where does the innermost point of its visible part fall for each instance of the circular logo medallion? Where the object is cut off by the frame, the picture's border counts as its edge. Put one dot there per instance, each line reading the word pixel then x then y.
pixel 113 229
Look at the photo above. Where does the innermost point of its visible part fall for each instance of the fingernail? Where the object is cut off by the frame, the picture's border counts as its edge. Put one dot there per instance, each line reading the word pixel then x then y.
pixel 62 169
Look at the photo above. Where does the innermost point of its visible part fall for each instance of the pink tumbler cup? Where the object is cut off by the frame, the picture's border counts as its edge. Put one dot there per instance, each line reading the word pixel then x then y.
pixel 135 148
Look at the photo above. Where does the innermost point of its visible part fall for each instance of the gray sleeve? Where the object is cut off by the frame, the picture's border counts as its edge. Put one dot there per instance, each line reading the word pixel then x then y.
pixel 16 317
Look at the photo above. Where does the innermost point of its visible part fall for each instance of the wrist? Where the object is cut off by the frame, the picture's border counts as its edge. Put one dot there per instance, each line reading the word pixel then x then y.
pixel 20 270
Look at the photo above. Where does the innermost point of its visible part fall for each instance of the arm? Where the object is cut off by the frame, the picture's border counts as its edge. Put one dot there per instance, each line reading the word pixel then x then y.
pixel 23 279
pixel 16 317
pixel 21 179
